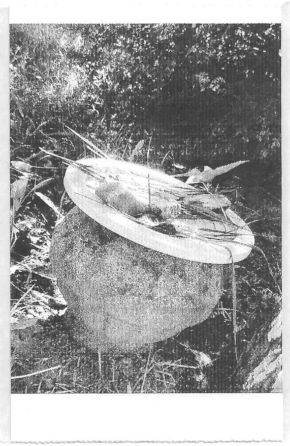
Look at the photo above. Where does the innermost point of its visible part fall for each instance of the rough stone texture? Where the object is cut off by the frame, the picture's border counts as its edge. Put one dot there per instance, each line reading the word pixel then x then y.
pixel 122 295
pixel 260 368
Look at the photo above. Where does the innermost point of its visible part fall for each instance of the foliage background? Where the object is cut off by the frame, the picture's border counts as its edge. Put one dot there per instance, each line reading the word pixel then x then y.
pixel 210 92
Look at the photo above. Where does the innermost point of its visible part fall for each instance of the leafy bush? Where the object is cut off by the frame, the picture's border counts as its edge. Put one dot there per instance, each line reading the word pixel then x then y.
pixel 216 86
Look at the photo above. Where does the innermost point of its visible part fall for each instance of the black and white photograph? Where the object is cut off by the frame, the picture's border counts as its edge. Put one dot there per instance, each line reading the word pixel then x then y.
pixel 145 208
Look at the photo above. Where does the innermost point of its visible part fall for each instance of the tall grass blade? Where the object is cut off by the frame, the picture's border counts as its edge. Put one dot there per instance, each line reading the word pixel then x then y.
pixel 90 145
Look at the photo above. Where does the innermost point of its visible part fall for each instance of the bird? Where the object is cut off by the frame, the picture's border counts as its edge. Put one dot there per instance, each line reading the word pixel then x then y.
pixel 119 197
pixel 168 213
pixel 116 195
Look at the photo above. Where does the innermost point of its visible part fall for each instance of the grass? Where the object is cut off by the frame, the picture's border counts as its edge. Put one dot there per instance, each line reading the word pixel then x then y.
pixel 52 362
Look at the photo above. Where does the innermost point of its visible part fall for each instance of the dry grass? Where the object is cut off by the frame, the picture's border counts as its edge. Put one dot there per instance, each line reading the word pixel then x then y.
pixel 58 365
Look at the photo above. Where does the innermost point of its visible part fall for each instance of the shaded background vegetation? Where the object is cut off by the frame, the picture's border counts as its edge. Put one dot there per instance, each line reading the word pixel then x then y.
pixel 212 92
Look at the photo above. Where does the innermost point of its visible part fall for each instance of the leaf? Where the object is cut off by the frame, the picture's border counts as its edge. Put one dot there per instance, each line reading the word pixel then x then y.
pixel 14 231
pixel 202 358
pixel 18 188
pixel 57 303
pixel 21 166
pixel 23 322
pixel 39 186
pixel 189 51
pixel 38 127
pixel 193 172
pixel 49 203
pixel 137 149
pixel 207 176
pixel 17 102
pixel 16 267
pixel 178 166
pixel 228 167
pixel 17 192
